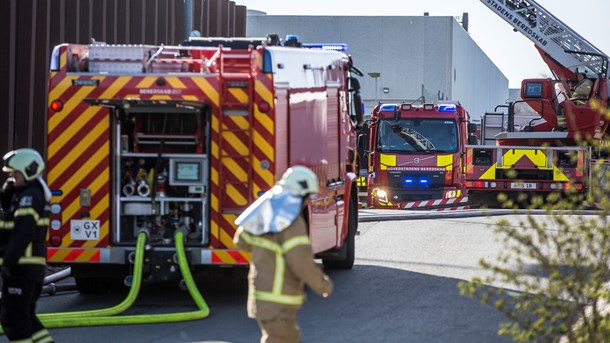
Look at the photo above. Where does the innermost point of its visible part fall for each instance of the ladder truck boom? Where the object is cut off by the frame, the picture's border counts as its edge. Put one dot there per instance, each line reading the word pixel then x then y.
pixel 550 34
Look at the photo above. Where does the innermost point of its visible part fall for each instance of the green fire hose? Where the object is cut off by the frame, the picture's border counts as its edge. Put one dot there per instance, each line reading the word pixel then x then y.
pixel 134 290
pixel 108 316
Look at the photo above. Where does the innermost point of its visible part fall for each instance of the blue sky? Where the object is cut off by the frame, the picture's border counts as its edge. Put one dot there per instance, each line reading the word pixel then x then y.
pixel 514 54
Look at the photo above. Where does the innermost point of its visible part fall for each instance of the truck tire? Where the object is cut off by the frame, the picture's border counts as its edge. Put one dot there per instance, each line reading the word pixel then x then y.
pixel 347 252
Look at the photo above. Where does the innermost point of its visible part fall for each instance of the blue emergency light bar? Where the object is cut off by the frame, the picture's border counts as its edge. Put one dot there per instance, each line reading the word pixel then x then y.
pixel 447 108
pixel 410 181
pixel 388 108
pixel 333 47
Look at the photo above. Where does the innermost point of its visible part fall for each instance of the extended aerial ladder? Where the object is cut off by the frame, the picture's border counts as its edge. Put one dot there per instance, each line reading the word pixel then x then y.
pixel 563 50
pixel 550 34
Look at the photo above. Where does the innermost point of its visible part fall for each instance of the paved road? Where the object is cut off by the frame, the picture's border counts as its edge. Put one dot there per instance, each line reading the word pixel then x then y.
pixel 403 288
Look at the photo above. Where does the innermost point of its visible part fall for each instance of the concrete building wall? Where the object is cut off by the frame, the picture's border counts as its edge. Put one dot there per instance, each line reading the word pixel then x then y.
pixel 476 82
pixel 415 56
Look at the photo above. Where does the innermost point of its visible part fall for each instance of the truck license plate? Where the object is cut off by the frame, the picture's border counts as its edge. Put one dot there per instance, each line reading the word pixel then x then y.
pixel 86 230
pixel 523 185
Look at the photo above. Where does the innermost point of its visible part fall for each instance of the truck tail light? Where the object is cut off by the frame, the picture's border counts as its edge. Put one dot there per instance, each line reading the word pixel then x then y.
pixel 55 240
pixel 57 105
pixel 477 184
pixel 264 107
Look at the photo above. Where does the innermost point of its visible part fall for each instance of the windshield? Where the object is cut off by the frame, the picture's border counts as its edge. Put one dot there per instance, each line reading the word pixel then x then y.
pixel 417 135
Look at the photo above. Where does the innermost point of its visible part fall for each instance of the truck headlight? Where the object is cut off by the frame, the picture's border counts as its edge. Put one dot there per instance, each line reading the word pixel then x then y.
pixel 381 195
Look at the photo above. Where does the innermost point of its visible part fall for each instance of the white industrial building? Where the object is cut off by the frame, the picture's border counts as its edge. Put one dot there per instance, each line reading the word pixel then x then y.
pixel 404 58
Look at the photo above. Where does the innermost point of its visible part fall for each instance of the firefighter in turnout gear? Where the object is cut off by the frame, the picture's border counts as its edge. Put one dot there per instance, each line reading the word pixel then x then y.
pixel 274 230
pixel 25 203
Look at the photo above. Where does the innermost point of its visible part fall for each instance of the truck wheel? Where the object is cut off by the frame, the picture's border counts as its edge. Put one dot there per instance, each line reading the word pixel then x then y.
pixel 348 250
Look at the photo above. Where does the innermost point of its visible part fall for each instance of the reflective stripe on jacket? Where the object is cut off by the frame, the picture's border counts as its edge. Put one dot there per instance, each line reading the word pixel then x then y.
pixel 281 265
pixel 23 232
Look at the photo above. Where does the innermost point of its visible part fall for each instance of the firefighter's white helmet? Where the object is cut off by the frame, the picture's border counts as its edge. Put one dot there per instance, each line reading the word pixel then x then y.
pixel 26 161
pixel 299 180
pixel 581 70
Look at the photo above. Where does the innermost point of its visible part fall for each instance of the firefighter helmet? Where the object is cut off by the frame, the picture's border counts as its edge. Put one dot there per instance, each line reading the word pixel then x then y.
pixel 26 161
pixel 581 70
pixel 299 180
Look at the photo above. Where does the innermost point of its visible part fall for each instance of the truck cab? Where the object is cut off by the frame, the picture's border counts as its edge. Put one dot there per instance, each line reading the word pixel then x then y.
pixel 415 153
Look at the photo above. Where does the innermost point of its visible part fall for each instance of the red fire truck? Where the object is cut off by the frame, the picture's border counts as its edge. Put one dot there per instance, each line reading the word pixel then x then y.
pixel 415 154
pixel 548 154
pixel 157 138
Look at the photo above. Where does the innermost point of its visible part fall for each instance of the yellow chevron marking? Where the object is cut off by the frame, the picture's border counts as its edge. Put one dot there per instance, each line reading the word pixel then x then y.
pixel 146 82
pixel 97 212
pixel 264 120
pixel 214 150
pixel 558 175
pixel 58 90
pixel 109 93
pixel 160 97
pixel 265 174
pixel 63 58
pixel 214 229
pixel 175 82
pixel 445 161
pixel 237 144
pixel 214 200
pixel 241 122
pixel 490 174
pixel 224 256
pixel 76 150
pixel 264 146
pixel 512 156
pixel 239 94
pixel 190 97
pixel 387 161
pixel 237 197
pixel 207 88
pixel 215 124
pixel 95 159
pixel 69 106
pixel 85 255
pixel 255 190
pixel 214 203
pixel 225 238
pixel 264 92
pixel 60 255
pixel 71 130
pixel 235 169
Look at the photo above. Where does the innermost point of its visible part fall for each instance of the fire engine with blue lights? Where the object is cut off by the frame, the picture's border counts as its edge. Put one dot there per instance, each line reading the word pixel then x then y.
pixel 161 138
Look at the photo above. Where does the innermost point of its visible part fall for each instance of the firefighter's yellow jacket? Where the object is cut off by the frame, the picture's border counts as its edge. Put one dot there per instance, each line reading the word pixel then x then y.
pixel 281 265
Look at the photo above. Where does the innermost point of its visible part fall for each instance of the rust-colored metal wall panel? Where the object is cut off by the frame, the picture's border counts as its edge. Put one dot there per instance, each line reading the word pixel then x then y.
pixel 31 28
pixel 241 13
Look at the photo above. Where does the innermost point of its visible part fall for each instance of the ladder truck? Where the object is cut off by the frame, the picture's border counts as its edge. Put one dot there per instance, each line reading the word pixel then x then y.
pixel 166 138
pixel 545 155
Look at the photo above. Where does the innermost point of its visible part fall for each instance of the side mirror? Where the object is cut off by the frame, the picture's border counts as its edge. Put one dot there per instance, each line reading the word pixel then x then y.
pixel 473 140
pixel 359 109
pixel 363 142
pixel 472 128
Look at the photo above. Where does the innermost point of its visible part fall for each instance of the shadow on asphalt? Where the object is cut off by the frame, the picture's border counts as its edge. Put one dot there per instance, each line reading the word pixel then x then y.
pixel 370 304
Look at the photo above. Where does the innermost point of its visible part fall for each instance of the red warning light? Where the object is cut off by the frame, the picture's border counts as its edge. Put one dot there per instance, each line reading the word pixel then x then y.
pixel 57 105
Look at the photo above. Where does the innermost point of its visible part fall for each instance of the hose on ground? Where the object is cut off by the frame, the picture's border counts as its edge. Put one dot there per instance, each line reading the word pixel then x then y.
pixel 87 320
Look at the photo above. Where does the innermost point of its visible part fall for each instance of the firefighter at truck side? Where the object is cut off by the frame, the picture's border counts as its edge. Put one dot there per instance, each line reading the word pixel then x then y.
pixel 25 201
pixel 274 230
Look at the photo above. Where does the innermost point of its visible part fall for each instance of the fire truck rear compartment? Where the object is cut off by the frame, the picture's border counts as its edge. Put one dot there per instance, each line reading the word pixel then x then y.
pixel 161 178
